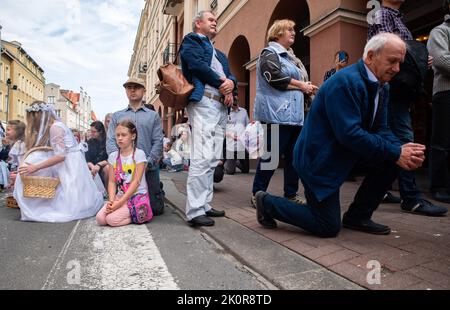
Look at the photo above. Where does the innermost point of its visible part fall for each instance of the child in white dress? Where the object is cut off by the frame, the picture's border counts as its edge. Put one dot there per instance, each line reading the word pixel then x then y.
pixel 77 196
pixel 15 133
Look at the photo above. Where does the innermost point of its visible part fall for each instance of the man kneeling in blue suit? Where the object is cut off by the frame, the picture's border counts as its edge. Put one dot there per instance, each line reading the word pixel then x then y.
pixel 347 127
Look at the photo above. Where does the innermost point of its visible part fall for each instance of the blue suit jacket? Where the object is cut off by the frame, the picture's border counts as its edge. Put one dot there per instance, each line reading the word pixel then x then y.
pixel 196 56
pixel 338 132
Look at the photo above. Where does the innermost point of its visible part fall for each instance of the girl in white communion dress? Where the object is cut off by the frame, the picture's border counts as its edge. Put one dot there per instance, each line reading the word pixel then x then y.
pixel 77 196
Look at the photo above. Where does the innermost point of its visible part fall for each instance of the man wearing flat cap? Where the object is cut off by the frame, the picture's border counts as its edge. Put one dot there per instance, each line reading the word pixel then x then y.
pixel 150 137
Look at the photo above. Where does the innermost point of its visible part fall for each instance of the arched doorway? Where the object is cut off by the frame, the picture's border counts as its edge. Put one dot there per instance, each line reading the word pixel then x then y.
pixel 298 11
pixel 239 56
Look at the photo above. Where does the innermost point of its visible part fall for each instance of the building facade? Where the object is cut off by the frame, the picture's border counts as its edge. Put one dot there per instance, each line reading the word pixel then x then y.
pixel 65 108
pixel 74 109
pixel 323 28
pixel 84 108
pixel 21 81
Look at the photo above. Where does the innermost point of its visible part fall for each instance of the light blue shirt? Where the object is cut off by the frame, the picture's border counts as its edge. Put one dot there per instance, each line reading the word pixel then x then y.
pixel 373 78
pixel 217 67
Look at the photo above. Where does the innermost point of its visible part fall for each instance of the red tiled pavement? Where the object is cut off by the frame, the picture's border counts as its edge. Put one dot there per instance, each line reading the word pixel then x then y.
pixel 415 256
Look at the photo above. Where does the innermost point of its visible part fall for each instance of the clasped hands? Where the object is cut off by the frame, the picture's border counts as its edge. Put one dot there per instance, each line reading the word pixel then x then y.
pixel 112 206
pixel 309 88
pixel 412 156
pixel 226 89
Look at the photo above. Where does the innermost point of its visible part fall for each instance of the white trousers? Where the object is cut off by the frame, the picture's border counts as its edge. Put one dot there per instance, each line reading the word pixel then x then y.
pixel 208 119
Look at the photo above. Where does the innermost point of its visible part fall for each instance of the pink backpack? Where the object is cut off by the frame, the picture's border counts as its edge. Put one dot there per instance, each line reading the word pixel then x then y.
pixel 139 204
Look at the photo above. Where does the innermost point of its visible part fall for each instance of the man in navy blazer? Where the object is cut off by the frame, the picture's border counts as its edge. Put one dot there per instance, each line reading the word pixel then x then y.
pixel 347 127
pixel 208 70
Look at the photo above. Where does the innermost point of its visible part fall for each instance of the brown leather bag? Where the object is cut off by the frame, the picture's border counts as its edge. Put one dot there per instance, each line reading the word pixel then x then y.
pixel 174 89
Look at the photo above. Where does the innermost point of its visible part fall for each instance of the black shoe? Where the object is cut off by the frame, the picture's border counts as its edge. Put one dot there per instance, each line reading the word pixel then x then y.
pixel 219 173
pixel 263 218
pixel 367 226
pixel 215 213
pixel 243 170
pixel 201 220
pixel 389 198
pixel 441 196
pixel 424 207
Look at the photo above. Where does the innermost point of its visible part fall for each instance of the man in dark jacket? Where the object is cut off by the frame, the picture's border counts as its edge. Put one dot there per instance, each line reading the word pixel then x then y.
pixel 347 126
pixel 208 70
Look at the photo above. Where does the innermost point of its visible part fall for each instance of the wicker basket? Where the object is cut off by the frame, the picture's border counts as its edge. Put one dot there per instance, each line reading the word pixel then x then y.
pixel 39 187
pixel 11 203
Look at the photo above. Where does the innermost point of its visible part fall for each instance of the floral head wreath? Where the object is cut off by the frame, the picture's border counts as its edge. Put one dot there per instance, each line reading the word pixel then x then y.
pixel 42 106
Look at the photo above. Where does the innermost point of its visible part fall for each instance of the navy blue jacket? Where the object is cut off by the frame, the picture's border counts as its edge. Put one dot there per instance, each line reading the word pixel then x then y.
pixel 339 133
pixel 196 56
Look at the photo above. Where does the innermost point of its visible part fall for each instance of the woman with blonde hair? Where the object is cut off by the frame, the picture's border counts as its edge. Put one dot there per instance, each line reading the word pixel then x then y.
pixel 282 84
pixel 76 196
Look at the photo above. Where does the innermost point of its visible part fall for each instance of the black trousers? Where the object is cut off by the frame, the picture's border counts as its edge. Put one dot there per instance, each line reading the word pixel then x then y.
pixel 440 143
pixel 155 190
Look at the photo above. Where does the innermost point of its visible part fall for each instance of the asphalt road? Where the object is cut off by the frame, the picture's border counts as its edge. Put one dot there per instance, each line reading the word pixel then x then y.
pixel 165 254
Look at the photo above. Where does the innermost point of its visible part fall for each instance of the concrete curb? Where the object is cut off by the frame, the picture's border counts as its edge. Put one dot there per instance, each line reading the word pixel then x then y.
pixel 279 265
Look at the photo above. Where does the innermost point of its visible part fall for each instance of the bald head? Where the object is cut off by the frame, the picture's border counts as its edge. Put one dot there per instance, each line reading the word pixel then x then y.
pixel 383 54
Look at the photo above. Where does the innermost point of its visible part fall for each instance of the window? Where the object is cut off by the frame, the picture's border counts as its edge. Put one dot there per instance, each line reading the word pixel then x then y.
pixel 1 101
pixel 51 99
pixel 1 71
pixel 7 76
pixel 58 113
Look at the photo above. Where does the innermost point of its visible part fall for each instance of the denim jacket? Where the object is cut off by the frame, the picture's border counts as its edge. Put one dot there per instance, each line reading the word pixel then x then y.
pixel 284 107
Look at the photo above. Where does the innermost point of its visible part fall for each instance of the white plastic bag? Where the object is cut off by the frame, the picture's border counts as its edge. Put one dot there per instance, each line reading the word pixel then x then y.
pixel 253 140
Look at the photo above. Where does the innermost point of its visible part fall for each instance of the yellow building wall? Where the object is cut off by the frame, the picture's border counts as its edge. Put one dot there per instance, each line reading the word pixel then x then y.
pixel 28 78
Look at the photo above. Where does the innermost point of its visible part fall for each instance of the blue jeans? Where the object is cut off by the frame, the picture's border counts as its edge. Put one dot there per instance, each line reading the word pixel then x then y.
pixel 401 125
pixel 323 218
pixel 287 139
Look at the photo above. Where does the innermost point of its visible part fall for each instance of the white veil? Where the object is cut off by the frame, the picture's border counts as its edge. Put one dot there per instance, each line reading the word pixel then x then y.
pixel 48 114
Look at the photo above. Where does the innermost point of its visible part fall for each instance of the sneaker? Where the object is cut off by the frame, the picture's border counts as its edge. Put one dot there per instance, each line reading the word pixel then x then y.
pixel 253 201
pixel 389 198
pixel 424 207
pixel 298 200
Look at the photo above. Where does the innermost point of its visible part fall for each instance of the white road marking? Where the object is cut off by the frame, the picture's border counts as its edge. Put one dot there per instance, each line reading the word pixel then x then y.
pixel 128 258
pixel 124 258
pixel 57 266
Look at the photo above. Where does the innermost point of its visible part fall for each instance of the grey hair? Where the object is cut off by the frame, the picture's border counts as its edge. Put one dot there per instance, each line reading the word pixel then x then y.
pixel 377 43
pixel 200 15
